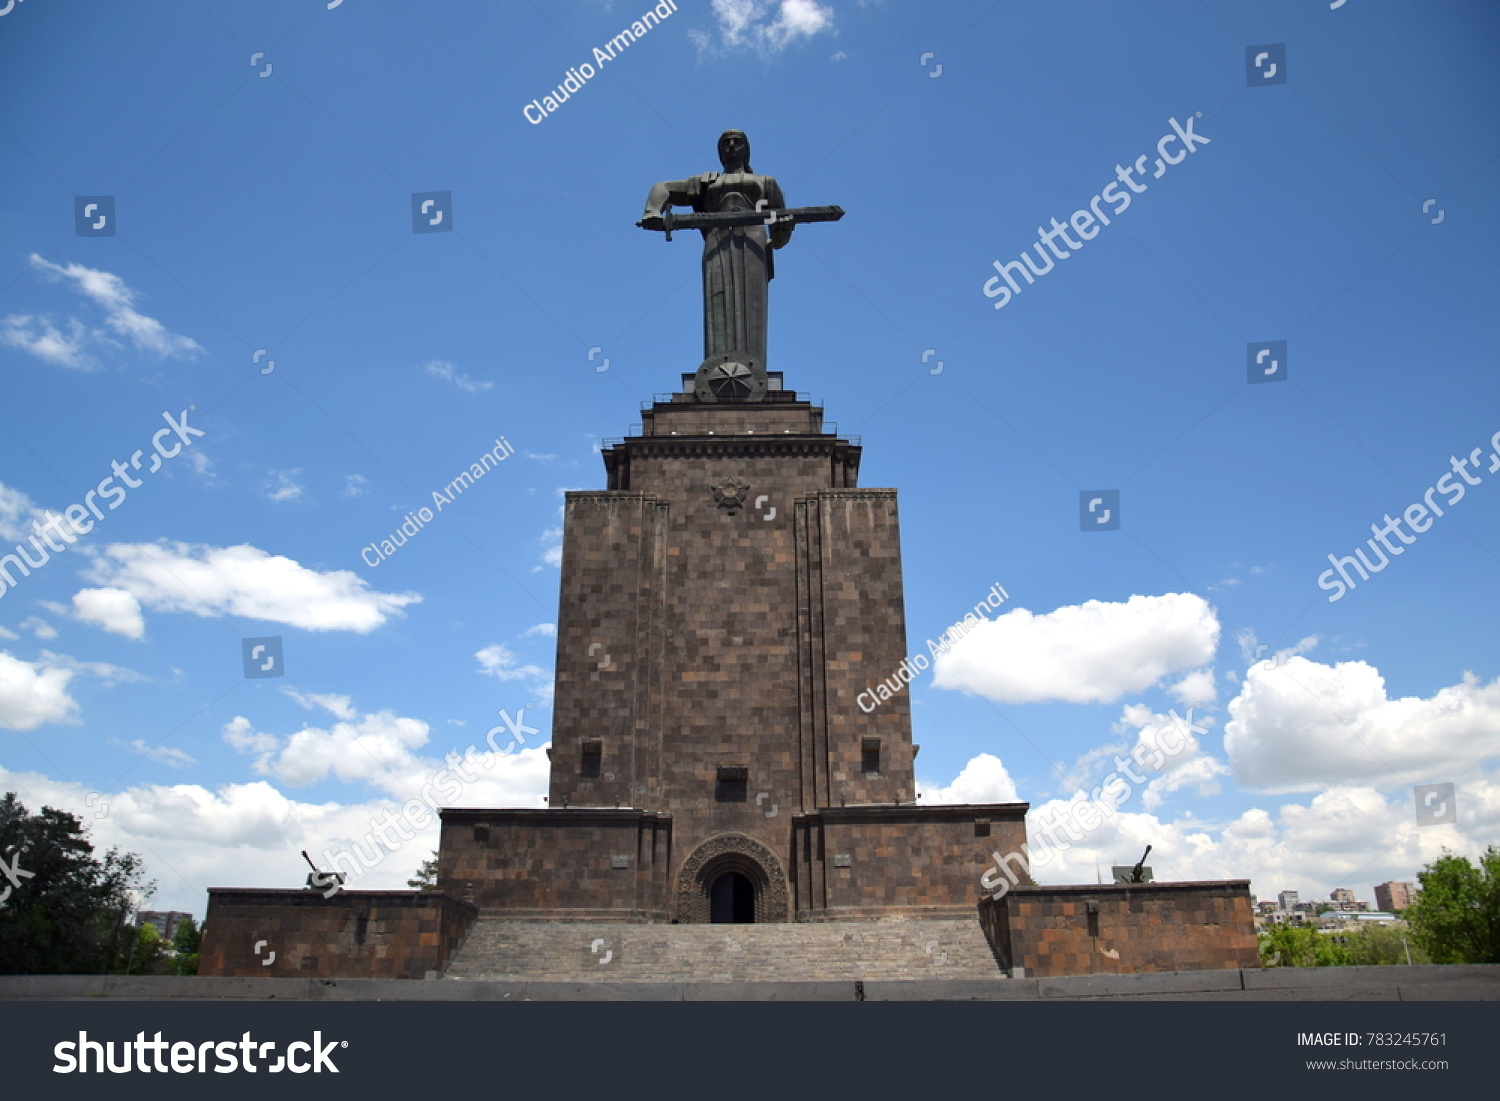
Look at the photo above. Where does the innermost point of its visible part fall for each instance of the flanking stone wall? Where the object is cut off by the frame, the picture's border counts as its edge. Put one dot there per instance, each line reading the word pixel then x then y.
pixel 1118 929
pixel 580 864
pixel 866 862
pixel 368 934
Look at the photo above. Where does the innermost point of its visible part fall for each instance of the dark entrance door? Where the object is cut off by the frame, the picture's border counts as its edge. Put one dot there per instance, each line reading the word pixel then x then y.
pixel 731 900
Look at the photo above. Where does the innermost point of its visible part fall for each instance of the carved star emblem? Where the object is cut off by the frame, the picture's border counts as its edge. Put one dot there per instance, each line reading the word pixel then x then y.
pixel 730 493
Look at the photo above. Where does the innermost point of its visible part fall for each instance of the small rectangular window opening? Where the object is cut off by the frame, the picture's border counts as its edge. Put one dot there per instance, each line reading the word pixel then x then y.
pixel 733 784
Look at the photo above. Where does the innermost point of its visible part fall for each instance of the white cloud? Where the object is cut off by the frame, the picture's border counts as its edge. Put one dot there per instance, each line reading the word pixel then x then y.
pixel 109 674
pixel 983 780
pixel 381 749
pixel 17 512
pixel 500 662
pixel 114 610
pixel 200 464
pixel 249 835
pixel 116 300
pixel 340 707
pixel 165 755
pixel 39 337
pixel 441 368
pixel 1347 836
pixel 1301 725
pixel 765 26
pixel 355 485
pixel 552 553
pixel 8 634
pixel 33 693
pixel 1196 689
pixel 376 748
pixel 548 630
pixel 244 738
pixel 39 627
pixel 244 581
pixel 282 485
pixel 1094 652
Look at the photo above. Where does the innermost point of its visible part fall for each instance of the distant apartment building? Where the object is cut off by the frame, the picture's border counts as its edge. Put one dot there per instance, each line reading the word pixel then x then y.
pixel 1288 900
pixel 165 921
pixel 1342 898
pixel 1266 908
pixel 1394 896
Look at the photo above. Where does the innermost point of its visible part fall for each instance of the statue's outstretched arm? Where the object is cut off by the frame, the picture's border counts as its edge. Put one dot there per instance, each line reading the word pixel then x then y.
pixel 669 193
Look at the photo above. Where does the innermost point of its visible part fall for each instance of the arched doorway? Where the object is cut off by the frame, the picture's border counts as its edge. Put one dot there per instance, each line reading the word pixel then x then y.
pixel 731 900
pixel 731 878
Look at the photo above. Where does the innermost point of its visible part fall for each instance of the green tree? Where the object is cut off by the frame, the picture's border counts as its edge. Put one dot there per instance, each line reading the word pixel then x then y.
pixel 1300 946
pixel 1456 918
pixel 63 912
pixel 1371 945
pixel 426 877
pixel 187 941
pixel 150 955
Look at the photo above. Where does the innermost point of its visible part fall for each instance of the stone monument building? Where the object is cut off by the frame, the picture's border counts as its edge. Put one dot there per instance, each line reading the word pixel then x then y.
pixel 725 601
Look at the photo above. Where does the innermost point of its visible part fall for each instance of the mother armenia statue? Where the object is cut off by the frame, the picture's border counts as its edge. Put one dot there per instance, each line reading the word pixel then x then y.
pixel 743 217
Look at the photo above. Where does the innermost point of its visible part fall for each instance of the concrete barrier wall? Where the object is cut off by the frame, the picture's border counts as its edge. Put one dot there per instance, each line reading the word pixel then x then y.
pixel 1313 984
pixel 1116 929
pixel 265 934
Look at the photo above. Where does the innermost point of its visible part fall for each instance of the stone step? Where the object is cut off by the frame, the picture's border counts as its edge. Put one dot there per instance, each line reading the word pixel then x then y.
pixel 889 949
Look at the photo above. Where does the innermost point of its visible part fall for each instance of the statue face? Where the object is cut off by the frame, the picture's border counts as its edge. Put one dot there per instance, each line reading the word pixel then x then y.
pixel 734 150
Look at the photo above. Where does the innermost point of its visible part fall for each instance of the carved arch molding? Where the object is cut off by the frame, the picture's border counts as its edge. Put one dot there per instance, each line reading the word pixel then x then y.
pixel 731 852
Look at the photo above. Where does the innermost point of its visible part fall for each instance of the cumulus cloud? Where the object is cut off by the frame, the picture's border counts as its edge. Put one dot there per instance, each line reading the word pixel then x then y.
pixel 249 834
pixel 1196 689
pixel 1300 725
pixel 33 693
pixel 115 610
pixel 1094 652
pixel 548 630
pixel 382 749
pixel 355 485
pixel 983 780
pixel 40 337
pixel 766 26
pixel 1349 836
pixel 449 372
pixel 244 581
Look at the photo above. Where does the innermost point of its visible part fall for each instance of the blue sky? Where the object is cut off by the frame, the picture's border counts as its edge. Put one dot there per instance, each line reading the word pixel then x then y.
pixel 274 212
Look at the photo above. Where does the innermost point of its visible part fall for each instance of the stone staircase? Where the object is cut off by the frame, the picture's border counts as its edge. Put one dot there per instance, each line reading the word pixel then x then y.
pixel 890 949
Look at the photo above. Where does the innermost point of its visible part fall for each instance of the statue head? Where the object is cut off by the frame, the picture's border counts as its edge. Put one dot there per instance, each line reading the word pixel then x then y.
pixel 734 151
